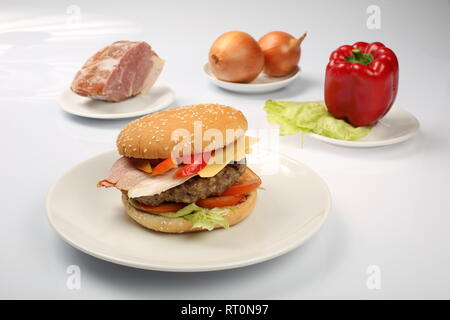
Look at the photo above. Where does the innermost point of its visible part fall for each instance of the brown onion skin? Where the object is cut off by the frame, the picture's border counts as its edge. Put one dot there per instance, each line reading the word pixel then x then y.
pixel 236 57
pixel 281 53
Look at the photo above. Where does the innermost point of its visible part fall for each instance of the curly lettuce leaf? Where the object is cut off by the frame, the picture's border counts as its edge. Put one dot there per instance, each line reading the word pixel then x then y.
pixel 311 116
pixel 329 126
pixel 208 218
pixel 200 217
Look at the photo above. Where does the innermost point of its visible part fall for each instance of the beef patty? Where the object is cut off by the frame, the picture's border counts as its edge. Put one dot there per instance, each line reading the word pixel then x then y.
pixel 198 188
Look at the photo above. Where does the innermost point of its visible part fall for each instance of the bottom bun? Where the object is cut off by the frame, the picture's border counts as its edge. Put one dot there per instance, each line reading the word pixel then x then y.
pixel 181 225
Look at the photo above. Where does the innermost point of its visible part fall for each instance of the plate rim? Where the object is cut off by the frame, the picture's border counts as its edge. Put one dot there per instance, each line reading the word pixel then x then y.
pixel 251 85
pixel 370 144
pixel 157 267
pixel 125 115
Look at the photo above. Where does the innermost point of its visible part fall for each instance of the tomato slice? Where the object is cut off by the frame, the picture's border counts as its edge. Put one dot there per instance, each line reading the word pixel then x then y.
pixel 248 182
pixel 164 166
pixel 162 208
pixel 220 201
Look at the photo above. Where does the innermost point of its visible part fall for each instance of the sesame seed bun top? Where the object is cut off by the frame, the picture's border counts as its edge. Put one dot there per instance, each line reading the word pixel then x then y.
pixel 156 135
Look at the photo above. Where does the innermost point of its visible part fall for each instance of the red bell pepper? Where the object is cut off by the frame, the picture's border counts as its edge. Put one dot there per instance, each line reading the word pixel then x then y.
pixel 361 82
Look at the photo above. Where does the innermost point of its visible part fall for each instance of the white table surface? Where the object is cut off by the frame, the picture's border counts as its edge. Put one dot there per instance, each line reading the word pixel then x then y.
pixel 391 205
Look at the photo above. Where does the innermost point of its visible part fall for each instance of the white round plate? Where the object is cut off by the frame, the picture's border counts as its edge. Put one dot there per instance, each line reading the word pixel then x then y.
pixel 396 126
pixel 157 98
pixel 94 221
pixel 263 83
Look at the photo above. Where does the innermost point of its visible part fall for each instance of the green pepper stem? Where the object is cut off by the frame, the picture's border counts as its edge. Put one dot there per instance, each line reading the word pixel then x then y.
pixel 358 57
pixel 358 54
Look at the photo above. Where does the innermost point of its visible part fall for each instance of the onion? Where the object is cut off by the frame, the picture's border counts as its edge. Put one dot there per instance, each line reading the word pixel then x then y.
pixel 281 52
pixel 236 57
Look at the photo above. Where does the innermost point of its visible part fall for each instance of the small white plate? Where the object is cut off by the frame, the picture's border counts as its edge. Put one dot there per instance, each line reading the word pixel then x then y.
pixel 396 126
pixel 159 97
pixel 94 221
pixel 263 83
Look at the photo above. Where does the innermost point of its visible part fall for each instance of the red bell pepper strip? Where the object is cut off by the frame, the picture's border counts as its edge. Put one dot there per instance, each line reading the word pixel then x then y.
pixel 361 82
pixel 165 166
pixel 198 162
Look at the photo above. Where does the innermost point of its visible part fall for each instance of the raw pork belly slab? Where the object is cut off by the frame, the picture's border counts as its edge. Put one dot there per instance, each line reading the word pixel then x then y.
pixel 118 71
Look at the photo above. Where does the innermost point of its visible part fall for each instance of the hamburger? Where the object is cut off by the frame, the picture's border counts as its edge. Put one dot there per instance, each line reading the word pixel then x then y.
pixel 184 169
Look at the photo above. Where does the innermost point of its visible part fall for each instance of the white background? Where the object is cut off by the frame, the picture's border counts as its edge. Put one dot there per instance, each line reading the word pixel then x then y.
pixel 391 205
